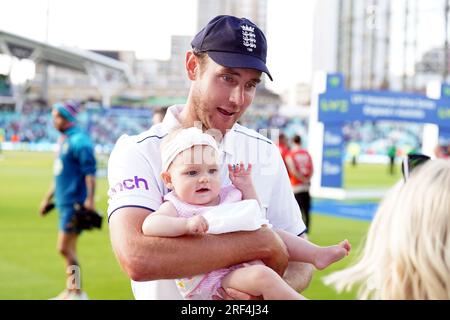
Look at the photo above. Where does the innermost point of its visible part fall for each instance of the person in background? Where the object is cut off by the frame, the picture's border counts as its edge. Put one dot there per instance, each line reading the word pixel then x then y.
pixel 300 168
pixel 391 153
pixel 2 138
pixel 407 252
pixel 354 151
pixel 283 145
pixel 74 185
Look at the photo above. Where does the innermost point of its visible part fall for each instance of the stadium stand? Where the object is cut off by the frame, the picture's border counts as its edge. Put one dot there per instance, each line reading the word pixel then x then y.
pixel 105 125
pixel 34 126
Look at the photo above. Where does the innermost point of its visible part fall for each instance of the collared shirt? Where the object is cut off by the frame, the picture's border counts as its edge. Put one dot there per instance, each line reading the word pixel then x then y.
pixel 134 178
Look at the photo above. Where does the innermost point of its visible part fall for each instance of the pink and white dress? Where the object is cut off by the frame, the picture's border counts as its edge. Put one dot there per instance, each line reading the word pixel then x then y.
pixel 204 286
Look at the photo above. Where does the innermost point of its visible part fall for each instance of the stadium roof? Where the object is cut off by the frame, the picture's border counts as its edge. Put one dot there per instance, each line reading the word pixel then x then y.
pixel 72 58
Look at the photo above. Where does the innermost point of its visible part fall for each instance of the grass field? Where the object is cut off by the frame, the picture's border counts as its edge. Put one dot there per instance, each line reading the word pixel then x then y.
pixel 30 267
pixel 369 176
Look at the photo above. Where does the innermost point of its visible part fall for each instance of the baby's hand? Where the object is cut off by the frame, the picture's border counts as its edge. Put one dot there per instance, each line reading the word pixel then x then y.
pixel 239 176
pixel 197 225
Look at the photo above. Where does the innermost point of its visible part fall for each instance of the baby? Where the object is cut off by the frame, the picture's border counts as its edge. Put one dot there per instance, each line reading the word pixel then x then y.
pixel 190 168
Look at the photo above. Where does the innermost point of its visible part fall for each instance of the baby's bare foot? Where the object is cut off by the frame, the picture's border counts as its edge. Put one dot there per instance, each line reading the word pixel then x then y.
pixel 329 255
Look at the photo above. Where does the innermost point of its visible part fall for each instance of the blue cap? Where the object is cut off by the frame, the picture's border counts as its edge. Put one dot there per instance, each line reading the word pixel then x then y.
pixel 68 109
pixel 234 43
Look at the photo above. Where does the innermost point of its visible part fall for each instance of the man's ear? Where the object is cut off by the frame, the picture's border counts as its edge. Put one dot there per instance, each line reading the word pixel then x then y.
pixel 167 179
pixel 192 65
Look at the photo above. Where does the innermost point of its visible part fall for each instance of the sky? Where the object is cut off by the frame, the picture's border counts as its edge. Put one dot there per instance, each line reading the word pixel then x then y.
pixel 145 26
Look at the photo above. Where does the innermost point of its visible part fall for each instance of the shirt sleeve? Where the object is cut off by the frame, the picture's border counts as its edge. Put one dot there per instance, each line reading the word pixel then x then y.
pixel 283 210
pixel 131 177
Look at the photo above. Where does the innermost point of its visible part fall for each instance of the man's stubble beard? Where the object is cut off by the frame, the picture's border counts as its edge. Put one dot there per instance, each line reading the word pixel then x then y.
pixel 202 113
pixel 199 114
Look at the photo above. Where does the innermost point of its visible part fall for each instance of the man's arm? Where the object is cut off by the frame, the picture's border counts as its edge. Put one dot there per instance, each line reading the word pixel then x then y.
pixel 298 275
pixel 89 203
pixel 149 258
pixel 47 199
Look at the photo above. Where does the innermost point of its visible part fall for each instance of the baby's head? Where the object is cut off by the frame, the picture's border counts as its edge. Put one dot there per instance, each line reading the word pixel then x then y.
pixel 190 166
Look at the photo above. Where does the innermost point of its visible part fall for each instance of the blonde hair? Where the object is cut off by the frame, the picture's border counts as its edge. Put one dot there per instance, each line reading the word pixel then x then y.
pixel 407 251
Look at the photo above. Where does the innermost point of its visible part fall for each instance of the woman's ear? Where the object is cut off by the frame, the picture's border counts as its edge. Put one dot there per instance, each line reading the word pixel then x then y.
pixel 167 179
pixel 192 65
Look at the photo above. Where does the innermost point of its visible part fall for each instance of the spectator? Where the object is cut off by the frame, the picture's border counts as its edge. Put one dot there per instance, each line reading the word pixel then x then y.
pixel 391 152
pixel 300 168
pixel 283 145
pixel 353 149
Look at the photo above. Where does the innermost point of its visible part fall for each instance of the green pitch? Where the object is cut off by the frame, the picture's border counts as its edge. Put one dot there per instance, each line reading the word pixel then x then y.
pixel 368 176
pixel 30 267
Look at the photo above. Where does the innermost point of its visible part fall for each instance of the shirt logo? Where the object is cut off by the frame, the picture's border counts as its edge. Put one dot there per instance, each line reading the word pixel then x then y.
pixel 65 148
pixel 249 37
pixel 57 167
pixel 129 184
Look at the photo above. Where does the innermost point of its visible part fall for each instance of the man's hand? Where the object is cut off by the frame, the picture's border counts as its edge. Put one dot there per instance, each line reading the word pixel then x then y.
pixel 278 261
pixel 46 204
pixel 45 207
pixel 197 225
pixel 42 206
pixel 89 204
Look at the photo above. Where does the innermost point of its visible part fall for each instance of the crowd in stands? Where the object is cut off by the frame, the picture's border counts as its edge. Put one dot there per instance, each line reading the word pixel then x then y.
pixel 35 126
pixel 289 126
pixel 375 138
pixel 107 125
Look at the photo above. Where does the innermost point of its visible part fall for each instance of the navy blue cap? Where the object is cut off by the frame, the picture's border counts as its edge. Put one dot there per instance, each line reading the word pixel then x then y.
pixel 234 43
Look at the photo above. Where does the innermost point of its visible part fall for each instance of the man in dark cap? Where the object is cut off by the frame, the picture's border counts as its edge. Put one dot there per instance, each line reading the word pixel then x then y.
pixel 225 65
pixel 73 186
